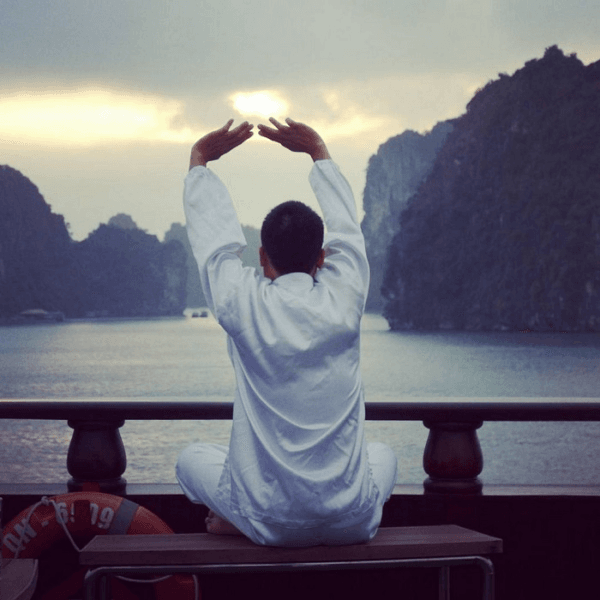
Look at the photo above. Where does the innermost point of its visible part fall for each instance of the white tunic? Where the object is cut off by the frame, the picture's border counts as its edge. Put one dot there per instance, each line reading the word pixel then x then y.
pixel 297 454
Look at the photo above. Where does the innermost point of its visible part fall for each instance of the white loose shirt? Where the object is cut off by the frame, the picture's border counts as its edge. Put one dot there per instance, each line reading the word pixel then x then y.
pixel 297 454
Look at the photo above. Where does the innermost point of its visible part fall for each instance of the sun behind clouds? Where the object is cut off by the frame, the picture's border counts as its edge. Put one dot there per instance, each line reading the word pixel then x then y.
pixel 259 104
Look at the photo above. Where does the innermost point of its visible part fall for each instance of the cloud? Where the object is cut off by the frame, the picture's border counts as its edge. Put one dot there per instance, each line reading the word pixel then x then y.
pixel 88 117
pixel 186 45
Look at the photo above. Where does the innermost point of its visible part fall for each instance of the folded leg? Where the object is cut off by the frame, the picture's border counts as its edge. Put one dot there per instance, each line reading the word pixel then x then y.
pixel 199 471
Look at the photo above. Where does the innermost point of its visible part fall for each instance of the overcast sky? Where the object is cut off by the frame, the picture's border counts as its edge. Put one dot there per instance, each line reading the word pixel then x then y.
pixel 101 101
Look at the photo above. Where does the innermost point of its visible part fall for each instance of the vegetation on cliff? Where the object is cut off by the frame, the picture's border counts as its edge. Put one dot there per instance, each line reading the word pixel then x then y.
pixel 128 272
pixel 505 231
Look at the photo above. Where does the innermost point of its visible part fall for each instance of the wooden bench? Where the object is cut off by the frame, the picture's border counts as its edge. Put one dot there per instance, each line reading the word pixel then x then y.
pixel 440 546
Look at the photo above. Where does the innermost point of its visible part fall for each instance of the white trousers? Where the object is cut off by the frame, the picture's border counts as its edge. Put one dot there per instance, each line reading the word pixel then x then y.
pixel 199 469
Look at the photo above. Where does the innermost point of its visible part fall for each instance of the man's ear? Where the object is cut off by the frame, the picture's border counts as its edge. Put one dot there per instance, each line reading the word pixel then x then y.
pixel 269 270
pixel 319 263
pixel 321 259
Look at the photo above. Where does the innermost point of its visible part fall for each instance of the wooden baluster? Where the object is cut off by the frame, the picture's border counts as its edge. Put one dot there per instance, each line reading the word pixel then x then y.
pixel 452 458
pixel 97 455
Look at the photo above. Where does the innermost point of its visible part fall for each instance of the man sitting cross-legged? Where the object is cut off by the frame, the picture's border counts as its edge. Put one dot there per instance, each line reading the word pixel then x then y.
pixel 297 471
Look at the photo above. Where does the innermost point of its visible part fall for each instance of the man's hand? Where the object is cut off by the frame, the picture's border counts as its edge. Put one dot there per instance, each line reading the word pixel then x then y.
pixel 296 137
pixel 216 143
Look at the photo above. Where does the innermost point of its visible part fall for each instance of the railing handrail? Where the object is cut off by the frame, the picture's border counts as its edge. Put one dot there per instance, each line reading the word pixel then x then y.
pixel 452 457
pixel 444 409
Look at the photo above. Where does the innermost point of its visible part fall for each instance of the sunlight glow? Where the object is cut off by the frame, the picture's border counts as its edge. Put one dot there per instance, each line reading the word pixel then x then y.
pixel 88 117
pixel 259 104
pixel 348 120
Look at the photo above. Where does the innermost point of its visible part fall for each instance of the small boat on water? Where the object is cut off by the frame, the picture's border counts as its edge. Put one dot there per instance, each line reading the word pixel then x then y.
pixel 39 314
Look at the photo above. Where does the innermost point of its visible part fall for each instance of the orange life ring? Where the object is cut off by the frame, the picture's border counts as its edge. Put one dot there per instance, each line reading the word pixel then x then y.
pixel 86 514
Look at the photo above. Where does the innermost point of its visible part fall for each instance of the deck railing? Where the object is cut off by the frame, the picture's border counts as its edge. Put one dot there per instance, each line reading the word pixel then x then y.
pixel 452 456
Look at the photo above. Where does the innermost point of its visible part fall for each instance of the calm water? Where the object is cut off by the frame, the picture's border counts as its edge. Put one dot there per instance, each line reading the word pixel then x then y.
pixel 187 358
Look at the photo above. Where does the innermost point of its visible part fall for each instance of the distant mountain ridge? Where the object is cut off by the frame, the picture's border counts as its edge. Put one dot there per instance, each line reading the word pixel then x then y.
pixel 194 294
pixel 113 272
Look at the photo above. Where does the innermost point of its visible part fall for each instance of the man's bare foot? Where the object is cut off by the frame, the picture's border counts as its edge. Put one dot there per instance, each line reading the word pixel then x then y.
pixel 218 526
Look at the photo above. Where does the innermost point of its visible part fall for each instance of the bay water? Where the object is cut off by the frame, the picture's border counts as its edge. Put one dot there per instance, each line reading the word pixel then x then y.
pixel 186 357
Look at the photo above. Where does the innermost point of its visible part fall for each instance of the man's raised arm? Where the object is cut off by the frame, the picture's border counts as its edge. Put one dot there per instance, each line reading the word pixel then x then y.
pixel 296 137
pixel 212 224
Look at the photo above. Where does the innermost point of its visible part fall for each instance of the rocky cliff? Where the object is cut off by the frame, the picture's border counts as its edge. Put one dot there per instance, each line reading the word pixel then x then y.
pixel 36 252
pixel 393 176
pixel 505 232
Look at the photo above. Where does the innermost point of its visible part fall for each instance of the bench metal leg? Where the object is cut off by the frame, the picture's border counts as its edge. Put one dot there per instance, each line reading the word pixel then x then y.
pixel 487 568
pixel 94 584
pixel 104 586
pixel 444 583
pixel 488 577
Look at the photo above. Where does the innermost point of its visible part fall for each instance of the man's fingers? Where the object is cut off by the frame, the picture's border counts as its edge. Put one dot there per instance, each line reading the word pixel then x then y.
pixel 277 124
pixel 227 125
pixel 242 131
pixel 263 129
pixel 239 139
pixel 293 136
pixel 239 135
pixel 225 130
pixel 266 128
pixel 269 133
pixel 244 125
pixel 216 143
